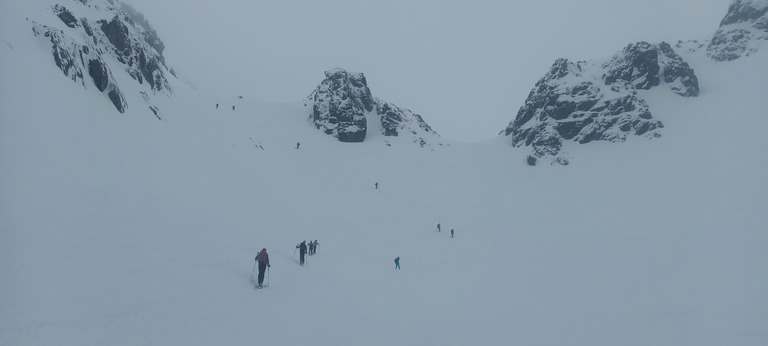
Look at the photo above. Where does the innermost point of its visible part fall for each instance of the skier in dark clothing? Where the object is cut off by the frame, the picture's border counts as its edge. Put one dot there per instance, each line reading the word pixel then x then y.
pixel 217 106
pixel 311 248
pixel 377 185
pixel 263 260
pixel 397 262
pixel 302 251
pixel 438 227
pixel 451 232
pixel 298 145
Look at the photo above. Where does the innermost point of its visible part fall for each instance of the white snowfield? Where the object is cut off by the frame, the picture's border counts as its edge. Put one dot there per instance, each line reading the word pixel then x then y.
pixel 129 230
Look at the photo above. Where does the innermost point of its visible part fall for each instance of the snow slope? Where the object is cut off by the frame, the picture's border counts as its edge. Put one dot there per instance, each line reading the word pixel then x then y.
pixel 122 229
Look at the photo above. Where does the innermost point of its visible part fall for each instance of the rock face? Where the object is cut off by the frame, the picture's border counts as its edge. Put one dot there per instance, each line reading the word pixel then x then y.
pixel 342 106
pixel 598 101
pixel 743 29
pixel 340 103
pixel 85 45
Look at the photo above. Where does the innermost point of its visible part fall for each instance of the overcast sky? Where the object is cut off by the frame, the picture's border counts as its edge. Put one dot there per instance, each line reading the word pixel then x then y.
pixel 465 66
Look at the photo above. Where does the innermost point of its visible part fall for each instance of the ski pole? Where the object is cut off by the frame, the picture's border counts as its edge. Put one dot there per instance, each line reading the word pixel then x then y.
pixel 267 276
pixel 254 268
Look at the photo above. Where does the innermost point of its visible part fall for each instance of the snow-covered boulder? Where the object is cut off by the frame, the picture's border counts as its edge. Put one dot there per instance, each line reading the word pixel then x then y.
pixel 107 30
pixel 340 103
pixel 589 101
pixel 741 32
pixel 343 106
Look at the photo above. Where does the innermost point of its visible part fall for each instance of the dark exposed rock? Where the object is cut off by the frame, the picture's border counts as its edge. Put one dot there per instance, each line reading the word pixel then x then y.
pixel 677 73
pixel 64 50
pixel 743 29
pixel 117 34
pixel 339 105
pixel 637 63
pixel 98 71
pixel 117 99
pixel 390 119
pixel 65 15
pixel 742 11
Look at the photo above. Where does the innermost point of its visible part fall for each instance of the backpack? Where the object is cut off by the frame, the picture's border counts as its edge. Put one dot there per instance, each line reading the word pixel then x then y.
pixel 262 257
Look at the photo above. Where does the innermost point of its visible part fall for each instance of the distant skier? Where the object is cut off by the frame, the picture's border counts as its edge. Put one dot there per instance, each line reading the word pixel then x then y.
pixel 315 247
pixel 298 145
pixel 451 232
pixel 438 227
pixel 311 248
pixel 376 185
pixel 263 260
pixel 233 107
pixel 397 262
pixel 217 106
pixel 302 251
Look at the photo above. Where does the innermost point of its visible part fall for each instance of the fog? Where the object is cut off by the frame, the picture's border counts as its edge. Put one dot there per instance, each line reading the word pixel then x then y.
pixel 466 67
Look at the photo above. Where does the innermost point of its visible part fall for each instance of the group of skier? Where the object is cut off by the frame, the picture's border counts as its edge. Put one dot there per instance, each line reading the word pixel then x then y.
pixel 305 248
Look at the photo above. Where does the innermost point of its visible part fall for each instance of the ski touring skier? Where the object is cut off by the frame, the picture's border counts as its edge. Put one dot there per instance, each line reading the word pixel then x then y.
pixel 438 227
pixel 263 259
pixel 451 232
pixel 302 251
pixel 397 262
pixel 298 145
pixel 376 185
pixel 311 248
pixel 314 248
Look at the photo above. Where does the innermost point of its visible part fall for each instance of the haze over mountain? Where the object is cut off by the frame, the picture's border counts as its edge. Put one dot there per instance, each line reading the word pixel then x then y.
pixel 134 219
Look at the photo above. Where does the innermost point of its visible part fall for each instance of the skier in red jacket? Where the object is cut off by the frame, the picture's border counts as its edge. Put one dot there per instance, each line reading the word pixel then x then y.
pixel 263 260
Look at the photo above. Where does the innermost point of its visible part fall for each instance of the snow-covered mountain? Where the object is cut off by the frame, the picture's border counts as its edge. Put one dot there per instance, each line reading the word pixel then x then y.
pixel 742 31
pixel 589 101
pixel 342 104
pixel 134 230
pixel 598 100
pixel 94 40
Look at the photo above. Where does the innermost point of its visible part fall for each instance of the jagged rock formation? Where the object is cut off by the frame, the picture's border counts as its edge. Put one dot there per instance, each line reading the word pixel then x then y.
pixel 85 45
pixel 592 101
pixel 342 105
pixel 741 31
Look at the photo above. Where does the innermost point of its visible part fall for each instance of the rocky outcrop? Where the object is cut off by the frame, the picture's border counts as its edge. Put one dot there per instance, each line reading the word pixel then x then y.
pixel 343 106
pixel 644 65
pixel 127 37
pixel 340 103
pixel 743 29
pixel 585 101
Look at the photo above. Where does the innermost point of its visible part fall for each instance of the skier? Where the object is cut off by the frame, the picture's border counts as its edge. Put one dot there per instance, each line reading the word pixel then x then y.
pixel 438 227
pixel 263 260
pixel 298 145
pixel 311 248
pixel 302 250
pixel 233 107
pixel 377 185
pixel 397 262
pixel 217 106
pixel 451 232
pixel 315 247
